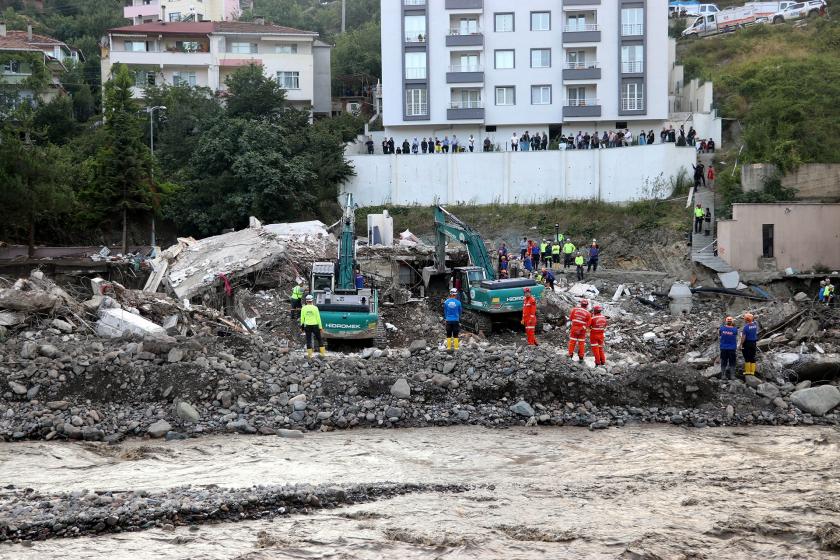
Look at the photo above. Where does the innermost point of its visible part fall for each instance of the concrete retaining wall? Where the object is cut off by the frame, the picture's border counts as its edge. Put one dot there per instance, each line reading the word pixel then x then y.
pixel 812 181
pixel 612 175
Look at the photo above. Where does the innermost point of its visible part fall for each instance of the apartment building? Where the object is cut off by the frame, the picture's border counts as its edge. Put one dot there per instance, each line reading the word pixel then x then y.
pixel 56 55
pixel 495 67
pixel 149 11
pixel 205 53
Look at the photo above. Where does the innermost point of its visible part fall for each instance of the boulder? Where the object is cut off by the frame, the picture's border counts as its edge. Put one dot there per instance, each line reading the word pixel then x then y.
pixel 292 434
pixel 522 408
pixel 49 351
pixel 393 412
pixel 159 429
pixel 175 355
pixel 17 388
pixel 29 350
pixel 159 343
pixel 768 390
pixel 417 345
pixel 441 380
pixel 401 389
pixel 816 400
pixel 800 296
pixel 63 326
pixel 187 412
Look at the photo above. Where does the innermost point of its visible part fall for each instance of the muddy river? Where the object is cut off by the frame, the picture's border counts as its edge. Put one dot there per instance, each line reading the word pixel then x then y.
pixel 631 493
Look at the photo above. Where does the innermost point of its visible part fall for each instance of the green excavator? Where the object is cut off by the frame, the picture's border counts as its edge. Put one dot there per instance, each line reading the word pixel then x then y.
pixel 486 300
pixel 348 313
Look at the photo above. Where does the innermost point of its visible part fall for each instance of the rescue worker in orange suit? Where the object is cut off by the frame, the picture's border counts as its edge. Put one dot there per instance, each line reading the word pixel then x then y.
pixel 579 319
pixel 529 317
pixel 597 327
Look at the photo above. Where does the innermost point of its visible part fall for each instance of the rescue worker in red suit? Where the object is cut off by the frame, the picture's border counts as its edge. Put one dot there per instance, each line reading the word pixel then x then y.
pixel 597 326
pixel 579 319
pixel 529 317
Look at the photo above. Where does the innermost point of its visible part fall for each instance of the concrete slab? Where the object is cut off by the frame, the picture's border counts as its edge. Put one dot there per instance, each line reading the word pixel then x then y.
pixel 730 280
pixel 114 323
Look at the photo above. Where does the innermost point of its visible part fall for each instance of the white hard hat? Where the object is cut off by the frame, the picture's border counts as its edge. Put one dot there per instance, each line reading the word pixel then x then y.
pixel 309 297
pixel 453 291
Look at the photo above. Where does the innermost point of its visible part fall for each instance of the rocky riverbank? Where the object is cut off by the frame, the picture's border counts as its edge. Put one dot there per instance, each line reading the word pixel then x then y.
pixel 28 515
pixel 78 387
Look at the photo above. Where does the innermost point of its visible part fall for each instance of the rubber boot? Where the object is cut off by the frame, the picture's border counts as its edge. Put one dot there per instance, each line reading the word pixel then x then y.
pixel 323 350
pixel 456 343
pixel 308 353
pixel 449 344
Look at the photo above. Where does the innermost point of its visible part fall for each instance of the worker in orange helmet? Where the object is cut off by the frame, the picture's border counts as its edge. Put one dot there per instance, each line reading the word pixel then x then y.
pixel 579 319
pixel 597 327
pixel 529 317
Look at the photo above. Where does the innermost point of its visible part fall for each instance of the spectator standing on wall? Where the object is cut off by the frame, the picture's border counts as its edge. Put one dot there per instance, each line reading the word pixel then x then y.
pixel 628 137
pixel 488 145
pixel 384 145
pixel 471 143
pixel 454 144
pixel 369 144
pixel 663 136
pixel 406 147
pixel 544 142
pixel 415 146
pixel 445 144
pixel 438 147
pixel 651 137
pixel 524 142
pixel 514 142
pixel 672 135
pixel 710 145
pixel 642 138
pixel 391 145
pixel 424 145
pixel 523 248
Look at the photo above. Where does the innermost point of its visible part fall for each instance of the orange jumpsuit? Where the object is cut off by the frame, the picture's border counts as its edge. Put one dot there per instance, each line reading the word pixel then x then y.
pixel 579 319
pixel 597 326
pixel 529 319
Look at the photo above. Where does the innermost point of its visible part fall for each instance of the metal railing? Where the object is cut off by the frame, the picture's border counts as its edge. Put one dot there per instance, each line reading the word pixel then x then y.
pixel 467 104
pixel 582 102
pixel 586 27
pixel 419 38
pixel 458 31
pixel 632 29
pixel 632 104
pixel 581 65
pixel 414 2
pixel 466 68
pixel 632 67
pixel 415 73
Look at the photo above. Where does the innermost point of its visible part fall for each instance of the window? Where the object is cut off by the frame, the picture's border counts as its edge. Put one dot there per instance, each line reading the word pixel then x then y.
pixel 415 29
pixel 540 95
pixel 540 58
pixel 144 78
pixel 504 60
pixel 575 60
pixel 632 59
pixel 504 23
pixel 468 63
pixel 767 241
pixel 632 97
pixel 183 79
pixel 466 99
pixel 576 96
pixel 466 26
pixel 415 65
pixel 135 46
pixel 505 95
pixel 632 21
pixel 11 67
pixel 576 23
pixel 540 21
pixel 289 48
pixel 289 80
pixel 416 102
pixel 187 46
pixel 174 16
pixel 243 48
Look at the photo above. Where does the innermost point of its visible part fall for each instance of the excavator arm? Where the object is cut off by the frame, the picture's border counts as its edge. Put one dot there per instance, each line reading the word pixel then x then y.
pixel 347 248
pixel 448 225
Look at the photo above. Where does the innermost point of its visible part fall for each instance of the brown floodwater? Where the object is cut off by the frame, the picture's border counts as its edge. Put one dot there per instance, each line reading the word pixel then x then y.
pixel 644 492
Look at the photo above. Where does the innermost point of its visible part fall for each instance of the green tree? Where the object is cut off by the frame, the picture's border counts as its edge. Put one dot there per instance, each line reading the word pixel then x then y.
pixel 356 57
pixel 252 94
pixel 121 169
pixel 56 120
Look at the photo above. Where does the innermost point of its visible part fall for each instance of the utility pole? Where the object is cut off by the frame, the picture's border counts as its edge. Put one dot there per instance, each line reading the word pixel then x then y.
pixel 343 15
pixel 151 111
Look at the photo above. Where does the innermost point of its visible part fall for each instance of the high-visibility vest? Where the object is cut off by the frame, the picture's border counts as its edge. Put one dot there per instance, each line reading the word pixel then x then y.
pixel 579 260
pixel 699 213
pixel 543 247
pixel 555 250
pixel 568 248
pixel 297 292
pixel 310 316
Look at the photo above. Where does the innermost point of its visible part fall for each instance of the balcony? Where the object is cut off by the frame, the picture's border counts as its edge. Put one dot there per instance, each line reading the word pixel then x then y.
pixel 457 39
pixel 589 33
pixel 416 40
pixel 582 71
pixel 581 3
pixel 632 104
pixel 415 73
pixel 632 29
pixel 141 10
pixel 158 58
pixel 632 67
pixel 589 107
pixel 464 4
pixel 465 74
pixel 465 110
pixel 414 2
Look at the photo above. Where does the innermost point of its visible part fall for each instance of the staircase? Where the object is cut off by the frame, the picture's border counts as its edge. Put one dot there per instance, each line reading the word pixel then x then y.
pixel 702 245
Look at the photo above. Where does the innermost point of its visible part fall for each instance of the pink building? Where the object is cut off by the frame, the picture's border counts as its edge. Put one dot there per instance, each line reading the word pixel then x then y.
pixel 781 235
pixel 148 11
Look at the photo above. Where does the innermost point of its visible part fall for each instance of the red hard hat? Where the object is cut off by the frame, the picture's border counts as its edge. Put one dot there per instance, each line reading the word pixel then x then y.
pixel 597 308
pixel 527 290
pixel 584 303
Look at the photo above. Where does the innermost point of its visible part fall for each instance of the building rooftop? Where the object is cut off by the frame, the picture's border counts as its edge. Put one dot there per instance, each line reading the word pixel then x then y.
pixel 206 27
pixel 19 40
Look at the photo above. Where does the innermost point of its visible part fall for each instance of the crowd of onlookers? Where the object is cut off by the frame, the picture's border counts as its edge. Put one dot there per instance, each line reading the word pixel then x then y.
pixel 539 141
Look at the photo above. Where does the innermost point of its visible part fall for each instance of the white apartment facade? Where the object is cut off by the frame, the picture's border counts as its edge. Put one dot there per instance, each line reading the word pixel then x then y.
pixel 149 11
pixel 205 53
pixel 494 67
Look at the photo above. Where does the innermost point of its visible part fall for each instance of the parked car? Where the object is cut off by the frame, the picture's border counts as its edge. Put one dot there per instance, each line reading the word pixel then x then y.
pixel 724 21
pixel 799 10
pixel 690 8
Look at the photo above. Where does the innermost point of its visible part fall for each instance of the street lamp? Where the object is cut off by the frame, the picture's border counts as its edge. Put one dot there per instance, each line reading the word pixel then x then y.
pixel 151 111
